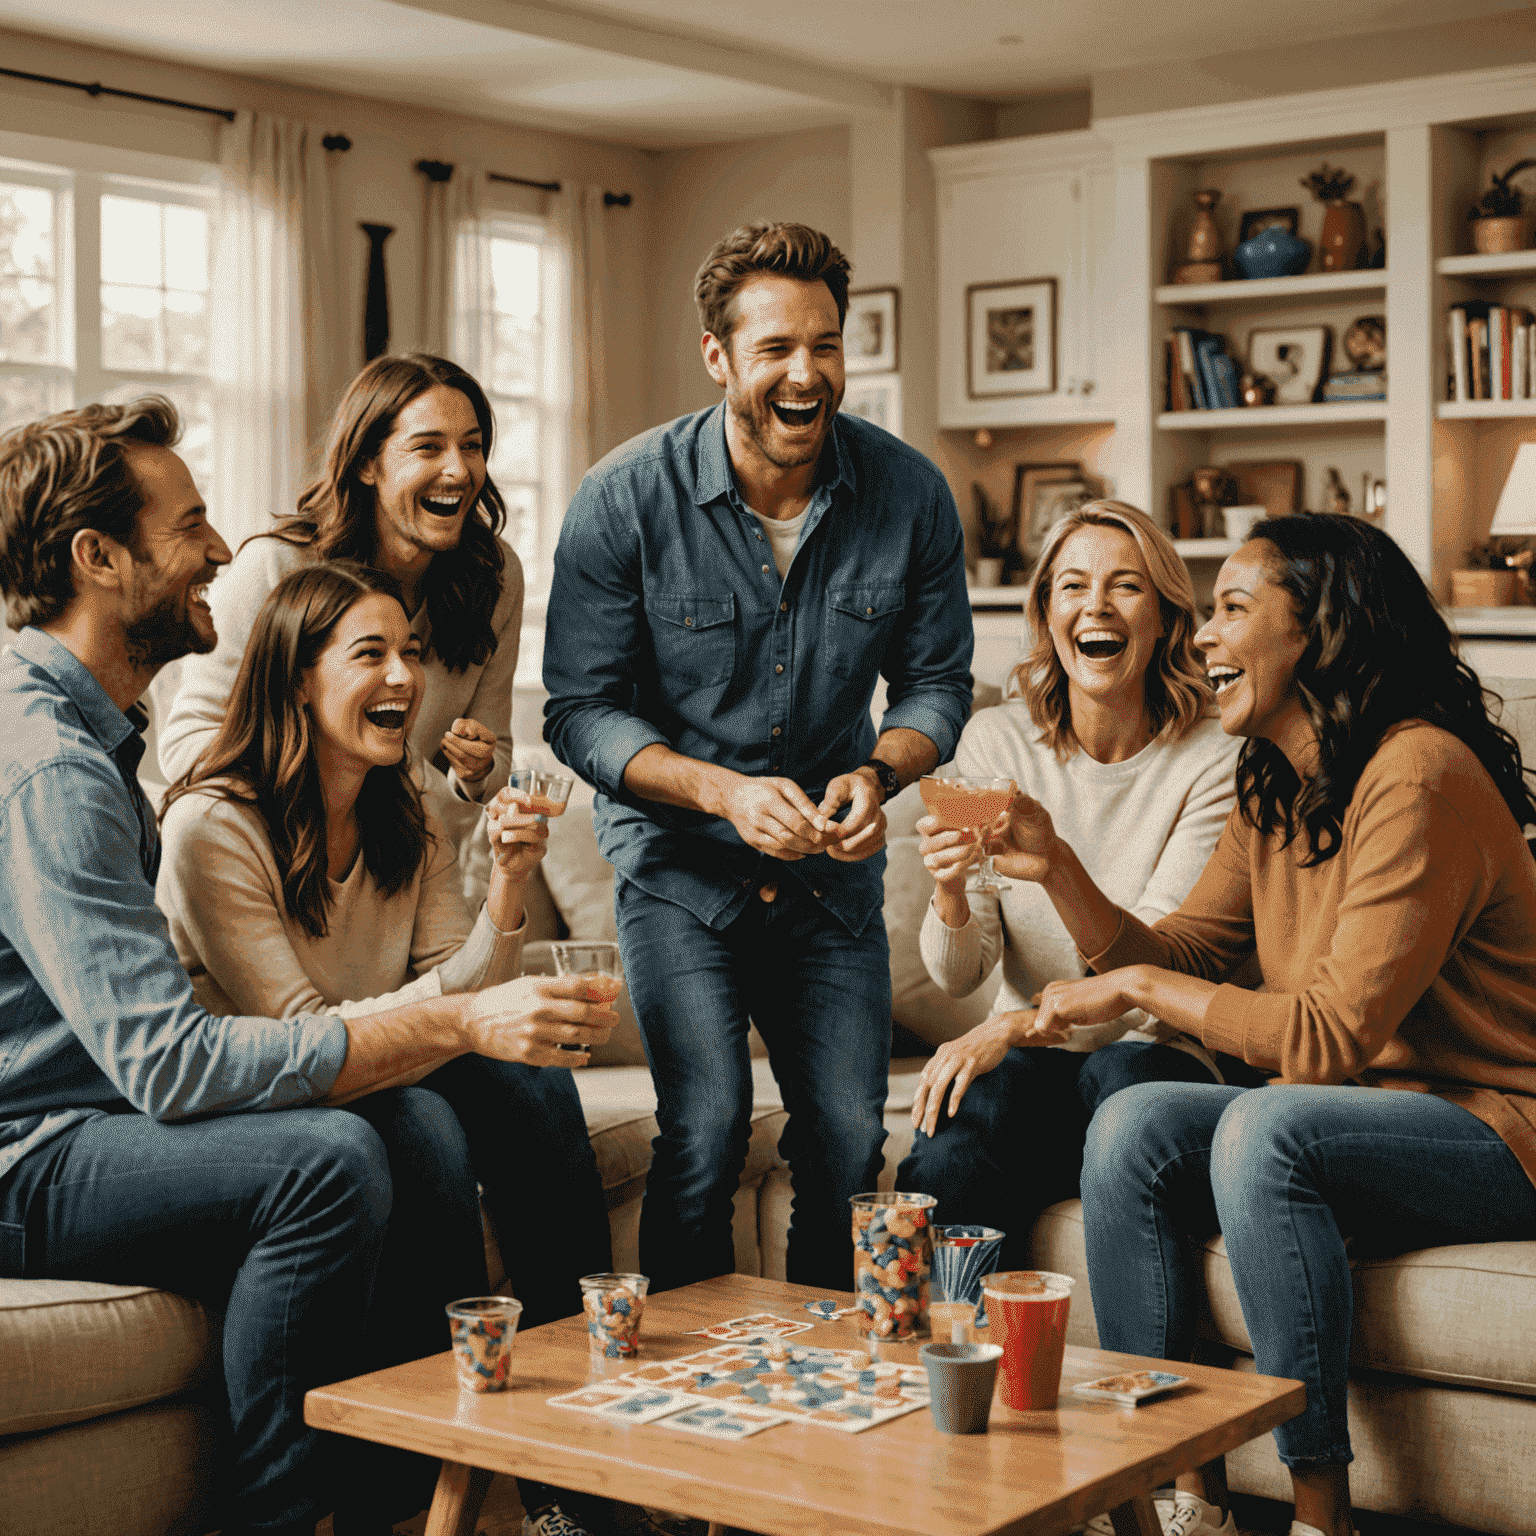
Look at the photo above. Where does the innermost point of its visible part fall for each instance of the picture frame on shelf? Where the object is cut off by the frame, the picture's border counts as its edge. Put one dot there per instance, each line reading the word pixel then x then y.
pixel 871 331
pixel 876 398
pixel 1036 504
pixel 1010 338
pixel 1293 357
pixel 1256 220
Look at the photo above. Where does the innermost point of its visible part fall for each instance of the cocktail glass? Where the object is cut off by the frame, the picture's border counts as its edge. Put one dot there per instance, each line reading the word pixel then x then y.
pixel 970 805
pixel 597 962
pixel 545 793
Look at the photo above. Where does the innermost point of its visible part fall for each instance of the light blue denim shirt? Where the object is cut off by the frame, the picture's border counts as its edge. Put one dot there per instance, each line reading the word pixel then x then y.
pixel 669 623
pixel 95 1008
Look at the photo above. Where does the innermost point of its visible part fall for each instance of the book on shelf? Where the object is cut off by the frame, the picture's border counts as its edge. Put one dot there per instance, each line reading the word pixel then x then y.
pixel 1520 375
pixel 1356 386
pixel 1459 382
pixel 1201 377
pixel 1490 351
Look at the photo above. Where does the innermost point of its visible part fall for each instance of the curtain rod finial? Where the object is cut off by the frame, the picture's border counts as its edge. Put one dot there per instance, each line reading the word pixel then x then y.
pixel 435 170
pixel 336 141
pixel 617 199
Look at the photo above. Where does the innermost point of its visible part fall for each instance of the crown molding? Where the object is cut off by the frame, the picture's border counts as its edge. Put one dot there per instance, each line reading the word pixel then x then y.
pixel 1077 149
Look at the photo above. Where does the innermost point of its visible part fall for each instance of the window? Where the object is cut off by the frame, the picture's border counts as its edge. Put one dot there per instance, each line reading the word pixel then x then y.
pixel 104 292
pixel 516 318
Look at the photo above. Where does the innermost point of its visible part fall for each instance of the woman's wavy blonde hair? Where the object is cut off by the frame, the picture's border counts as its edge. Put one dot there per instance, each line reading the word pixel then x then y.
pixel 1177 693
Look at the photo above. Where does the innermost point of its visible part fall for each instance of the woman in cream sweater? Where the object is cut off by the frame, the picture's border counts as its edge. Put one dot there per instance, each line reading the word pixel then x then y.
pixel 301 873
pixel 1125 781
pixel 1376 866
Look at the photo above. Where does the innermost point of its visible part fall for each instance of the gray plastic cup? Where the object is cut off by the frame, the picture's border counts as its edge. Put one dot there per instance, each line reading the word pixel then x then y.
pixel 960 1379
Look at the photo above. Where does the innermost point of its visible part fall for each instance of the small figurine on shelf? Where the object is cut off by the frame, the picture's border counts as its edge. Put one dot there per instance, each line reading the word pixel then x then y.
pixel 1338 495
pixel 1203 262
pixel 1499 221
pixel 1342 247
pixel 994 537
pixel 1214 490
pixel 1257 389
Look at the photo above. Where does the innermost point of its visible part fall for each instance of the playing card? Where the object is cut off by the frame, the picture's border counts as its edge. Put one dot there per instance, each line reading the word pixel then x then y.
pixel 829 1308
pixel 1130 1387
pixel 624 1404
pixel 768 1322
pixel 721 1423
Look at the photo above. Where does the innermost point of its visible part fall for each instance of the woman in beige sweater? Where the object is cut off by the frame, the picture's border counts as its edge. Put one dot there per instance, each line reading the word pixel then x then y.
pixel 302 873
pixel 1376 864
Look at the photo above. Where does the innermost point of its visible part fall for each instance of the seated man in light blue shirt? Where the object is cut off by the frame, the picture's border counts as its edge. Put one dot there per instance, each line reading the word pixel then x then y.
pixel 143 1140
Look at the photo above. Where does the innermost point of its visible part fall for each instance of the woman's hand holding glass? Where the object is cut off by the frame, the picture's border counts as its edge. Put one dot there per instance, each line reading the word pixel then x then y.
pixel 519 836
pixel 1023 842
pixel 540 1021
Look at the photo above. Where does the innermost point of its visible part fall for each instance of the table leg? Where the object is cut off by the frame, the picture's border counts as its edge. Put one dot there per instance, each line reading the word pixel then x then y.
pixel 1136 1517
pixel 456 1504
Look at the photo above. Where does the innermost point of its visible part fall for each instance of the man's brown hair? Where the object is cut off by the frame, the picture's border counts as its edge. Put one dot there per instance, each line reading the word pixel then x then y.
pixel 62 474
pixel 785 250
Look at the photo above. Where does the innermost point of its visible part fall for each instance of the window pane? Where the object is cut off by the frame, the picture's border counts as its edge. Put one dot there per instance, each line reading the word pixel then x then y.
pixel 522 530
pixel 186 333
pixel 515 275
pixel 186 248
pixel 195 403
pixel 130 327
pixel 516 454
pixel 130 241
pixel 28 312
pixel 518 347
pixel 26 397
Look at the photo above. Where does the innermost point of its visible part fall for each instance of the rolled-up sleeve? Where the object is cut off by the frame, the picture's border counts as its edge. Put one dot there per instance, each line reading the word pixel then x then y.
pixel 928 673
pixel 595 633
pixel 82 918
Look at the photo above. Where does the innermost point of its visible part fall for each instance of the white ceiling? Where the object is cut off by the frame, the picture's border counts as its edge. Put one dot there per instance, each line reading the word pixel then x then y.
pixel 656 73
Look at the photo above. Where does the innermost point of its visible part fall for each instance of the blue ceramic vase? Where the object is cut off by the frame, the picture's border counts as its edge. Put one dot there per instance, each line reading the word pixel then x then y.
pixel 1273 252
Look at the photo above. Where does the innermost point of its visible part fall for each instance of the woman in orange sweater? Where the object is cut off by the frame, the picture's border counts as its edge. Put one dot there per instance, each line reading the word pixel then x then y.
pixel 1376 863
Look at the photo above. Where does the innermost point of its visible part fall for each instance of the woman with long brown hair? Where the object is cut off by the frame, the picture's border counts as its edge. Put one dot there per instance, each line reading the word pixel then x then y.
pixel 405 489
pixel 302 874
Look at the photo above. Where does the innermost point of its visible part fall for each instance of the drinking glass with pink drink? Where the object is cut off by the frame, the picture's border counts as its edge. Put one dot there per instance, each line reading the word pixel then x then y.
pixel 598 964
pixel 544 793
pixel 970 805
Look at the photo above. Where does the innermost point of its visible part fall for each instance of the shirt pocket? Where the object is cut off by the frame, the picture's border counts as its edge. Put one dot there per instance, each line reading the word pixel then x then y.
pixel 860 622
pixel 694 637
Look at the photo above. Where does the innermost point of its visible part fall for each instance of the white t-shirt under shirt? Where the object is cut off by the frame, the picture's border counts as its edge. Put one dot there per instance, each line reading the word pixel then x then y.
pixel 783 538
pixel 1143 830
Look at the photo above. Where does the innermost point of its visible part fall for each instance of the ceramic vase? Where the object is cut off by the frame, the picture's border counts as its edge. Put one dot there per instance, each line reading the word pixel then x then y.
pixel 1343 242
pixel 1272 253
pixel 1497 237
pixel 1204 237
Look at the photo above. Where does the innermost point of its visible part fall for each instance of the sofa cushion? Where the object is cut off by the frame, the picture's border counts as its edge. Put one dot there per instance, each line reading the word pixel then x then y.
pixel 77 1349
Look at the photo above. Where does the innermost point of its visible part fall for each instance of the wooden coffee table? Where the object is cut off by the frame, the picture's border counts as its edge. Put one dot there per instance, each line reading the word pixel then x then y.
pixel 1043 1472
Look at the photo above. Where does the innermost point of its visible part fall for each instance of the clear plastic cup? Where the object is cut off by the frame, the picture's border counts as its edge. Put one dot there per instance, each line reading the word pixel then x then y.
pixel 1028 1309
pixel 614 1305
pixel 892 1262
pixel 482 1329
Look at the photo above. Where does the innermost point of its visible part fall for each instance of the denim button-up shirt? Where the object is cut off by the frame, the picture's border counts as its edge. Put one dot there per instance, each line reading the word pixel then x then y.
pixel 669 623
pixel 95 1008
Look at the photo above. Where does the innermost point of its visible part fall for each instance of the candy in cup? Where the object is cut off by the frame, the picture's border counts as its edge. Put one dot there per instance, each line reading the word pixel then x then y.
pixel 963 1256
pixel 892 1263
pixel 482 1328
pixel 598 963
pixel 614 1305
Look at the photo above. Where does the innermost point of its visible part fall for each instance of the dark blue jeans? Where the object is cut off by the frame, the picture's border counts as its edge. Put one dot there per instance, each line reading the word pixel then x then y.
pixel 1285 1172
pixel 332 1238
pixel 1017 1144
pixel 821 999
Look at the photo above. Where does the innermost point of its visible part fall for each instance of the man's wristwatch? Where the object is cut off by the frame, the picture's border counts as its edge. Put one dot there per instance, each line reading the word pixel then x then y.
pixel 890 783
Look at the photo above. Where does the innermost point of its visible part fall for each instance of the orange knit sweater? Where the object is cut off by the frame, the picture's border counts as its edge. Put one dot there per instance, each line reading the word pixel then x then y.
pixel 1408 960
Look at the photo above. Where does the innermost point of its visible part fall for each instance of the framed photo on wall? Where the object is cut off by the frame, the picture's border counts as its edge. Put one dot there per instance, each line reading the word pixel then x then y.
pixel 869 331
pixel 1010 338
pixel 876 399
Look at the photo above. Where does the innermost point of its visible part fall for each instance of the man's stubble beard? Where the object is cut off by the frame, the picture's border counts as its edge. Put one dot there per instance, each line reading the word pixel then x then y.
pixel 740 404
pixel 163 634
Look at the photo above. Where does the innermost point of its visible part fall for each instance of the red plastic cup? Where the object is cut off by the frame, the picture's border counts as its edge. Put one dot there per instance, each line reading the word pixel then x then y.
pixel 1028 1311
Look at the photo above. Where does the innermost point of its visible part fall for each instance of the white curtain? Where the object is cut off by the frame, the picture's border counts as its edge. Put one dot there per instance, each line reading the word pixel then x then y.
pixel 457 295
pixel 578 225
pixel 279 357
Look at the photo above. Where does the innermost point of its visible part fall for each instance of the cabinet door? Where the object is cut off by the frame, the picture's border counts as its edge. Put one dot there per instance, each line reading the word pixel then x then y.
pixel 1007 229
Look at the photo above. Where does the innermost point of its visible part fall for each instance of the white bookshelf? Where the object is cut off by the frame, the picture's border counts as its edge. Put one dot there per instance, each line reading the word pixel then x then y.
pixel 1246 290
pixel 1502 264
pixel 1483 410
pixel 1261 416
pixel 1493 622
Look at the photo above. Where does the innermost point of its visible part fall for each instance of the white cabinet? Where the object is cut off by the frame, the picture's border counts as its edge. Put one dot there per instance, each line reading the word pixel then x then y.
pixel 1014 211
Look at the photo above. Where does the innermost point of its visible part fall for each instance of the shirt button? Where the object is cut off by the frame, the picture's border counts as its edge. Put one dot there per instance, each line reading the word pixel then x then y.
pixel 776 730
pixel 783 607
pixel 779 668
pixel 688 622
pixel 816 894
pixel 869 610
pixel 765 570
pixel 746 882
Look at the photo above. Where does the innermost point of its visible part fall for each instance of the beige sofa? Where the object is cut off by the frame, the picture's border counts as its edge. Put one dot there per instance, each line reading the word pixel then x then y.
pixel 105 1423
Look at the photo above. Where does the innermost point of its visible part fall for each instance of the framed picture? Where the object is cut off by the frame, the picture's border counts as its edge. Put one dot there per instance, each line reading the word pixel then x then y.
pixel 869 331
pixel 1036 504
pixel 1010 338
pixel 1257 220
pixel 876 399
pixel 1274 484
pixel 1294 357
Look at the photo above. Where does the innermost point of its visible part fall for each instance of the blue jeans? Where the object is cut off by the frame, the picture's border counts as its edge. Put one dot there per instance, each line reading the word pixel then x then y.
pixel 1286 1172
pixel 821 999
pixel 332 1238
pixel 1017 1144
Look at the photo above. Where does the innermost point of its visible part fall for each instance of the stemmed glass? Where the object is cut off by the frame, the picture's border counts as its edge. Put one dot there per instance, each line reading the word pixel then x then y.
pixel 969 805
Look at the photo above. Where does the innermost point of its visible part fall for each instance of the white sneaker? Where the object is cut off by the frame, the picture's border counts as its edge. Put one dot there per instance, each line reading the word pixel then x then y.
pixel 552 1521
pixel 1181 1514
pixel 1301 1528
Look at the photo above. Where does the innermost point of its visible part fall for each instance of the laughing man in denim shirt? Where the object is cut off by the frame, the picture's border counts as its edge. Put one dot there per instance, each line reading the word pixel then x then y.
pixel 726 590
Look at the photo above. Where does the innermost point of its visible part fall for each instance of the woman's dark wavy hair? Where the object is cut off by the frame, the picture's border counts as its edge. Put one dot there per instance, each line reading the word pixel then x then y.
pixel 264 753
pixel 335 517
pixel 1377 652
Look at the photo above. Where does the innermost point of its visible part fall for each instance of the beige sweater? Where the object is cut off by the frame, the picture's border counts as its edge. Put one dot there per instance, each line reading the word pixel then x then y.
pixel 1408 960
pixel 222 894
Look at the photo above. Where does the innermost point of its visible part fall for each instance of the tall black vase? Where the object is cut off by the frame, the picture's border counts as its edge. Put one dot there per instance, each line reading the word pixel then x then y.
pixel 376 306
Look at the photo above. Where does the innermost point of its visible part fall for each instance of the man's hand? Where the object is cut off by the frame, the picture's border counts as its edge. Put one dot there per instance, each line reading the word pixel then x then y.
pixel 529 1019
pixel 470 748
pixel 519 838
pixel 1023 843
pixel 961 1062
pixel 776 817
pixel 862 831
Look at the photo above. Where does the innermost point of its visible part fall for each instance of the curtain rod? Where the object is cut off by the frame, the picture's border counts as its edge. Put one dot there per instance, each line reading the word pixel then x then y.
pixel 440 170
pixel 96 88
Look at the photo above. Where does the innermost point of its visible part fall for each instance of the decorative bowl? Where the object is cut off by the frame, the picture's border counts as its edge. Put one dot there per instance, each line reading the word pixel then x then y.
pixel 1273 252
